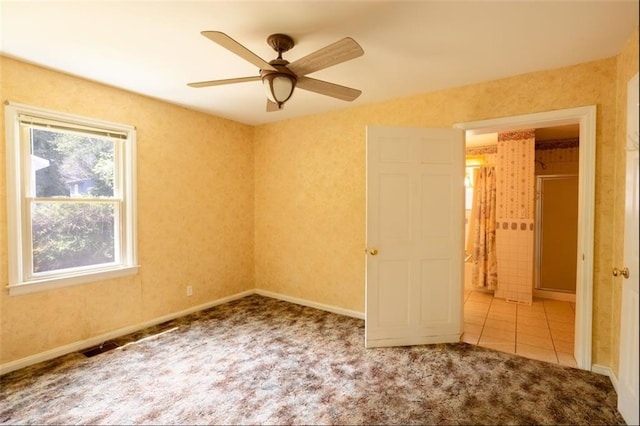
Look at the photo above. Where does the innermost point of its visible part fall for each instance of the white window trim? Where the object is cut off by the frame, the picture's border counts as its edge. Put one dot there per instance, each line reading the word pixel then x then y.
pixel 18 283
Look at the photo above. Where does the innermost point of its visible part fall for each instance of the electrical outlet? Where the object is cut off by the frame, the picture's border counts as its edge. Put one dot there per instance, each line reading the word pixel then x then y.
pixel 189 290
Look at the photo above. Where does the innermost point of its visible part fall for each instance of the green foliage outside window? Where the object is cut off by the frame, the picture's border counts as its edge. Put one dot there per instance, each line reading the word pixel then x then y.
pixel 72 234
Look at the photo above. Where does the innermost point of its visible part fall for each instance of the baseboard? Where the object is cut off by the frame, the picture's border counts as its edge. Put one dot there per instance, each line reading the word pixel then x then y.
pixel 96 340
pixel 555 295
pixel 606 371
pixel 304 302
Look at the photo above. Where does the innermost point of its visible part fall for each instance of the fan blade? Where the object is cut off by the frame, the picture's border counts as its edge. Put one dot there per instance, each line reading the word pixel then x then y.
pixel 335 53
pixel 328 89
pixel 221 82
pixel 272 106
pixel 230 44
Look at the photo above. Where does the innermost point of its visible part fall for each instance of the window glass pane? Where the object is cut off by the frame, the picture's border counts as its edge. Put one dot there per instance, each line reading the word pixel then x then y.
pixel 70 235
pixel 468 198
pixel 67 164
pixel 468 187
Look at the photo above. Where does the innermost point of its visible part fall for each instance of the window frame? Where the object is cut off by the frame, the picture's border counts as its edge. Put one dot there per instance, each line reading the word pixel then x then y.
pixel 21 279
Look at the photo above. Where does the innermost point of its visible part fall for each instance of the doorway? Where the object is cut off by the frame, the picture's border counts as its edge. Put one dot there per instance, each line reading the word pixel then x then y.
pixel 584 117
pixel 542 328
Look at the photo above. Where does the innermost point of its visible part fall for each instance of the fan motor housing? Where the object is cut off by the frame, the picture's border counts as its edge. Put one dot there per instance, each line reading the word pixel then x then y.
pixel 281 66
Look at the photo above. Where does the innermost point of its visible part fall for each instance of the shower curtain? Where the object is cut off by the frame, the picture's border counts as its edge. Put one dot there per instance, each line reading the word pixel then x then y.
pixel 485 266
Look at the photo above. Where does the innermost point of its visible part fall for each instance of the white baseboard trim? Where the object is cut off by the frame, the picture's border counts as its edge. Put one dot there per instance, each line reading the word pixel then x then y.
pixel 96 340
pixel 304 302
pixel 606 371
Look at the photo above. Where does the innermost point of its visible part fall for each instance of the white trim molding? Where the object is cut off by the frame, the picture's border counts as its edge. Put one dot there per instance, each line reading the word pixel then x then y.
pixel 606 371
pixel 96 340
pixel 304 302
pixel 20 121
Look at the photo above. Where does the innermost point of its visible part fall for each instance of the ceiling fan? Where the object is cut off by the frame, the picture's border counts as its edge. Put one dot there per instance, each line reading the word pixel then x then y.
pixel 280 77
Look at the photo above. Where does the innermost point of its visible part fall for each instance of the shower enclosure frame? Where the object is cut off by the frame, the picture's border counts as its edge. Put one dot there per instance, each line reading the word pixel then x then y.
pixel 538 290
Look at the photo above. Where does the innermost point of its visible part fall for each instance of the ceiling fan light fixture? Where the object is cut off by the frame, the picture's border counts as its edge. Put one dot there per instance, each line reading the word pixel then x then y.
pixel 279 77
pixel 279 86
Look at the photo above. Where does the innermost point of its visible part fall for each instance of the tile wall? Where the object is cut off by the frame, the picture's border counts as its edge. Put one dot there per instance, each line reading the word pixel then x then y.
pixel 515 245
pixel 515 197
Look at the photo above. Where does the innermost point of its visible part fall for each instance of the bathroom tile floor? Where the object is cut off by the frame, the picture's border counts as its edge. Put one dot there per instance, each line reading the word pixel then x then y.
pixel 543 330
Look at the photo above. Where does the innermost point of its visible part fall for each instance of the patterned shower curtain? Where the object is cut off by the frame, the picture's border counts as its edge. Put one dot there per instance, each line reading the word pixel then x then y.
pixel 485 265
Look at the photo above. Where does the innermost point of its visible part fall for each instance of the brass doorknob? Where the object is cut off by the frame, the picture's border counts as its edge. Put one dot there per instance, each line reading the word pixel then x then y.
pixel 624 272
pixel 373 251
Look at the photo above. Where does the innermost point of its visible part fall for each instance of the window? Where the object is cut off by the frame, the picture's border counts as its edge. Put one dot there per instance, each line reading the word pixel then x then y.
pixel 468 187
pixel 70 199
pixel 471 165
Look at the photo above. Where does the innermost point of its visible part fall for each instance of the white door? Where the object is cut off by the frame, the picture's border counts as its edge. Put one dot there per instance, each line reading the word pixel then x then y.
pixel 415 223
pixel 628 388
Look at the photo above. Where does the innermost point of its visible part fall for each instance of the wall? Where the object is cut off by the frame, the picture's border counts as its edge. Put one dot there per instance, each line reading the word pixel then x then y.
pixel 558 161
pixel 299 190
pixel 627 67
pixel 195 215
pixel 310 181
pixel 515 189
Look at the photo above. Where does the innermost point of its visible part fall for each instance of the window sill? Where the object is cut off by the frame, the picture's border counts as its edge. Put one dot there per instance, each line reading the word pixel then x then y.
pixel 70 280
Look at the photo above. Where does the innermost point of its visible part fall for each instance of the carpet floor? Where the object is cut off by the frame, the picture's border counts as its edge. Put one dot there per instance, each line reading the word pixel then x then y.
pixel 258 360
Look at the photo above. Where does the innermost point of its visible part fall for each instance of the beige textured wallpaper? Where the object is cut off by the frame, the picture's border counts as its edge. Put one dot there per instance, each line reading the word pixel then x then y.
pixel 310 181
pixel 195 215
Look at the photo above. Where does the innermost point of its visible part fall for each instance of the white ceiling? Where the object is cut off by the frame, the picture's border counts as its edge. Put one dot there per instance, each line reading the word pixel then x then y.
pixel 155 48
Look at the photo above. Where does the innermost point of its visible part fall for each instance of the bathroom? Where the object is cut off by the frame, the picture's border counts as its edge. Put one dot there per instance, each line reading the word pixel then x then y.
pixel 520 269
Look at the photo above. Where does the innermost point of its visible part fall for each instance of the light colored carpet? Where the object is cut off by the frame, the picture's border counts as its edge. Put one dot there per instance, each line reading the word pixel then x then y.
pixel 262 361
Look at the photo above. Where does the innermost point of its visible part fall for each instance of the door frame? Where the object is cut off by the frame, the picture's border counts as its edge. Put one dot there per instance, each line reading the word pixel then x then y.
pixel 585 117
